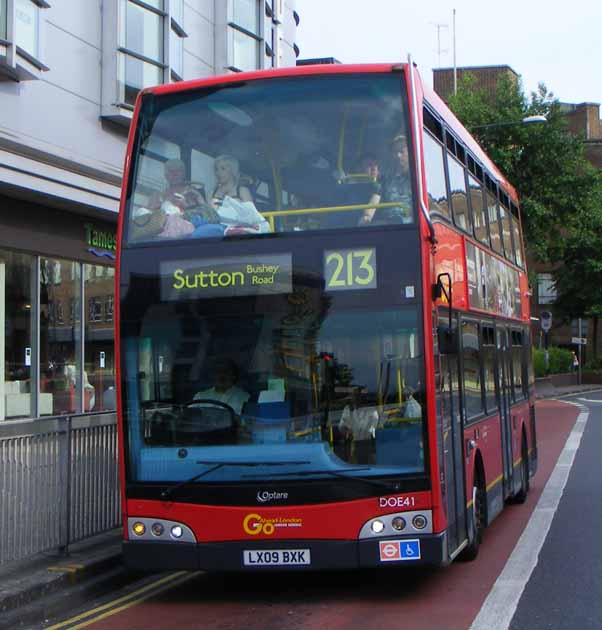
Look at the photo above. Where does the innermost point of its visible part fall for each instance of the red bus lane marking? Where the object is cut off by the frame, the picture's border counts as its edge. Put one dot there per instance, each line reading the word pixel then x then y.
pixel 447 598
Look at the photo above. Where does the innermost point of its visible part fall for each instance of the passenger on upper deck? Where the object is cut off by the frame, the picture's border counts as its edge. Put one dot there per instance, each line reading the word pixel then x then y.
pixel 396 186
pixel 167 213
pixel 227 174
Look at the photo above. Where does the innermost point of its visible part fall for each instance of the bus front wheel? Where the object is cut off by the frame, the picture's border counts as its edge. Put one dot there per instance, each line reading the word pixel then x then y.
pixel 478 520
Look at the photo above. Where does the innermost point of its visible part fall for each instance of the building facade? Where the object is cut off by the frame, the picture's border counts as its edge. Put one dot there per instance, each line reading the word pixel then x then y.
pixel 486 78
pixel 70 71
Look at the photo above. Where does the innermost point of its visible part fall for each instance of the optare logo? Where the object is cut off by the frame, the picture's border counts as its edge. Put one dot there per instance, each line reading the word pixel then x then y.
pixel 264 496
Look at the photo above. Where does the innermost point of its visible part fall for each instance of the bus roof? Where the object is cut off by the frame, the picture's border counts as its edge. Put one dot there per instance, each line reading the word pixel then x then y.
pixel 432 98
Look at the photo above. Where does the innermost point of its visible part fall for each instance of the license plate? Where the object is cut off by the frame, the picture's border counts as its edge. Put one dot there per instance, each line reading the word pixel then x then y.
pixel 275 557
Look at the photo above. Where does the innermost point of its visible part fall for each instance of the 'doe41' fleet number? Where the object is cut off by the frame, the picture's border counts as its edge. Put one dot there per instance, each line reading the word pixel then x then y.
pixel 346 269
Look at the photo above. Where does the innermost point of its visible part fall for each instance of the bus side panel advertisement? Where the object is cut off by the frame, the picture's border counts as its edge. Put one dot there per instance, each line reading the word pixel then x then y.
pixel 226 277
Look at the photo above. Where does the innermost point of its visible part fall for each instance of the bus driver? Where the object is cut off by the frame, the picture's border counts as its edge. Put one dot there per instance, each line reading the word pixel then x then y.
pixel 224 389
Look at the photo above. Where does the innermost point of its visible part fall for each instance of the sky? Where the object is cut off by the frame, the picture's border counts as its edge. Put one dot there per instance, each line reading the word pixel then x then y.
pixel 555 42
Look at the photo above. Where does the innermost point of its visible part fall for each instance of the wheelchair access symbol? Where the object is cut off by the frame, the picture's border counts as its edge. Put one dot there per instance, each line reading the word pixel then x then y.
pixel 398 550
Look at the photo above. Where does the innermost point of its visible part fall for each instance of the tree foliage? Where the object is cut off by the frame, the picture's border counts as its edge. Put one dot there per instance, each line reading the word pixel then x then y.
pixel 559 190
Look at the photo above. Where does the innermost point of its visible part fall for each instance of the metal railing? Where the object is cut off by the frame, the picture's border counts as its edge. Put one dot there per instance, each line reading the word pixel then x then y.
pixel 59 482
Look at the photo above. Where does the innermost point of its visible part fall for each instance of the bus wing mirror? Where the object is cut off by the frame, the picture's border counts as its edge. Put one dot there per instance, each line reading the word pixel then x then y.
pixel 447 340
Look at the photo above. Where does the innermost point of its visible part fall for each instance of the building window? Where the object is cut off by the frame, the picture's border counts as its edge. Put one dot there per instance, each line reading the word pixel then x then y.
pixel 176 39
pixel 546 288
pixel 27 26
pixel 147 36
pixel 141 47
pixel 20 39
pixel 245 35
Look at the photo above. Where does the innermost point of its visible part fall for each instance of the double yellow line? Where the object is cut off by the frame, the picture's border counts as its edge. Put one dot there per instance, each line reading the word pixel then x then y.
pixel 87 618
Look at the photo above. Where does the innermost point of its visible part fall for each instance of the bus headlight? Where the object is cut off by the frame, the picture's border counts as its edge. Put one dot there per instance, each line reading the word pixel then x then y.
pixel 377 526
pixel 139 528
pixel 398 523
pixel 176 531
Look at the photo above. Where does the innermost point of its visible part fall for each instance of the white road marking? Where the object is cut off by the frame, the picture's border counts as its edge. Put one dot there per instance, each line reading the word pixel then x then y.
pixel 501 603
pixel 589 400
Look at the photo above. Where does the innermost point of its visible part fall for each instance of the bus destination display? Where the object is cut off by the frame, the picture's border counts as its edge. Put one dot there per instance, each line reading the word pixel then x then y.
pixel 226 277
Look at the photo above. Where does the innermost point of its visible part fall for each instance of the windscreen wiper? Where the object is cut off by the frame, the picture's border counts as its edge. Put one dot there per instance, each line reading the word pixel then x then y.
pixel 341 475
pixel 215 465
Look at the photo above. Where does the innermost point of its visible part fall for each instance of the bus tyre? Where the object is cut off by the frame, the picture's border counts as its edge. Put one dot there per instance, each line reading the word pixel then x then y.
pixel 478 521
pixel 521 495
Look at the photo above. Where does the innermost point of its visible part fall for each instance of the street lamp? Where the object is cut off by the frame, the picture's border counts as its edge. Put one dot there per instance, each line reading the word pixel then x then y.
pixel 527 120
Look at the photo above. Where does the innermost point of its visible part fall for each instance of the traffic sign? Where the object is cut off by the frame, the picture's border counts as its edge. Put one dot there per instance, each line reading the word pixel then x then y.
pixel 579 341
pixel 545 318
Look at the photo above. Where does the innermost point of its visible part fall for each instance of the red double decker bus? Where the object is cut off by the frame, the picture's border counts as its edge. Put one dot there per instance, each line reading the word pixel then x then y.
pixel 322 324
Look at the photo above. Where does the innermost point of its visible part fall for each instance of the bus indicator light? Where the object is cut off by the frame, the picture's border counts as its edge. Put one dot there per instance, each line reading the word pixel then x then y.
pixel 139 529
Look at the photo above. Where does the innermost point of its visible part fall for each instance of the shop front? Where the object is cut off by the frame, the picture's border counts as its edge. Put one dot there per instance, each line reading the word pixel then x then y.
pixel 56 312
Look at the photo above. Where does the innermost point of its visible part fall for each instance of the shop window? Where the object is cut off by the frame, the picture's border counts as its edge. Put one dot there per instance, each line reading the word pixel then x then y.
pixel 94 309
pixel 471 370
pixel 60 340
pixel 99 366
pixel 109 309
pixel 546 288
pixel 435 176
pixel 16 335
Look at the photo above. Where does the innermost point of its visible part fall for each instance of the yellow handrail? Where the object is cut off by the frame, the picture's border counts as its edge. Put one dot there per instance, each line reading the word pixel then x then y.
pixel 326 209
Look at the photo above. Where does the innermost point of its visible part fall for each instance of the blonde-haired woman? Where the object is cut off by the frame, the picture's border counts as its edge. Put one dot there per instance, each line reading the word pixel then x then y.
pixel 227 175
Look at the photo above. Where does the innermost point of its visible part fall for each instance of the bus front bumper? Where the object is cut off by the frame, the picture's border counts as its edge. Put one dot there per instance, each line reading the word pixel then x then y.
pixel 426 550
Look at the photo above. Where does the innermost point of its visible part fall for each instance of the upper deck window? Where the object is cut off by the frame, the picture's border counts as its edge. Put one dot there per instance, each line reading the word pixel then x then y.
pixel 276 155
pixel 435 176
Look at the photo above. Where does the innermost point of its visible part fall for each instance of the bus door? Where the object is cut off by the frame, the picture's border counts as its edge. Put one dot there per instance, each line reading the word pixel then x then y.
pixel 453 461
pixel 503 386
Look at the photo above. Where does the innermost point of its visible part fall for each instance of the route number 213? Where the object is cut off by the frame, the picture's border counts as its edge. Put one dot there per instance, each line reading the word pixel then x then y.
pixel 346 269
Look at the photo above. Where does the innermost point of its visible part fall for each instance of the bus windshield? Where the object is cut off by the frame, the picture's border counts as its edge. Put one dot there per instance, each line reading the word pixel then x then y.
pixel 283 381
pixel 278 155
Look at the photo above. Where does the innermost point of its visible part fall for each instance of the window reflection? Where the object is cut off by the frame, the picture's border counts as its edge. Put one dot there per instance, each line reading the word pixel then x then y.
pixel 435 176
pixel 479 211
pixel 457 185
pixel 494 226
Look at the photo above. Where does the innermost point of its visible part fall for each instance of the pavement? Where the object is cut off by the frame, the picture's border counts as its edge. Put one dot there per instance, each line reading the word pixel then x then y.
pixel 545 389
pixel 25 582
